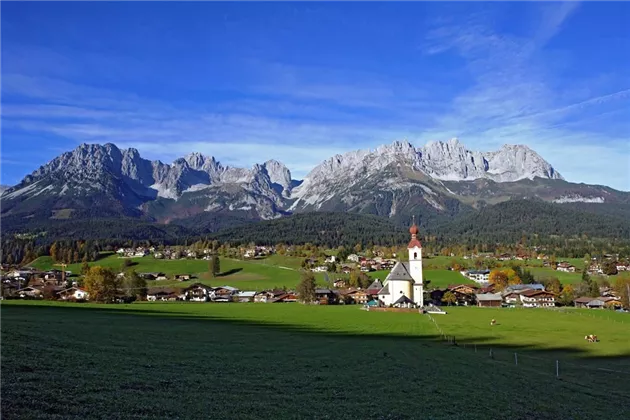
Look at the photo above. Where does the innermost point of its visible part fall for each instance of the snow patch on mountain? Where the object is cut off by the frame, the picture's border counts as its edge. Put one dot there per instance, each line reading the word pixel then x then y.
pixel 579 199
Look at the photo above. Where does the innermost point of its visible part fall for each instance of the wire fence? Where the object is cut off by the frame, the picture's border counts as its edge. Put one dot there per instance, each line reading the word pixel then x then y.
pixel 614 377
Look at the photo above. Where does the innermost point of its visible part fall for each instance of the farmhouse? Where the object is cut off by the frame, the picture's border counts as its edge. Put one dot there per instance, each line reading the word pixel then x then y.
pixel 479 276
pixel 598 302
pixel 30 292
pixel 538 299
pixel 489 299
pixel 566 267
pixel 246 296
pixel 404 282
pixel 198 293
pixel 73 293
pixel 287 297
pixel 161 295
pixel 358 296
pixel 325 296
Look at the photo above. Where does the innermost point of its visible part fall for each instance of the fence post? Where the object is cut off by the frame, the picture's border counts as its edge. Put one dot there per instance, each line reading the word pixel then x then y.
pixel 557 369
pixel 491 356
pixel 516 359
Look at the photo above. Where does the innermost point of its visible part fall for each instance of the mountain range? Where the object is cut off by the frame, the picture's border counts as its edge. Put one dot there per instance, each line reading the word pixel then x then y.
pixel 438 180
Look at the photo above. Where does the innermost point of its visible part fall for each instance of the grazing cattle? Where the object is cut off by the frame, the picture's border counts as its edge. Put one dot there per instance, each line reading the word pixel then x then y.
pixel 493 322
pixel 591 338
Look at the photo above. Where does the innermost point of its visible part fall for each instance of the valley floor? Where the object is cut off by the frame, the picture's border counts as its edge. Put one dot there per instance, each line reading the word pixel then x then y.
pixel 186 360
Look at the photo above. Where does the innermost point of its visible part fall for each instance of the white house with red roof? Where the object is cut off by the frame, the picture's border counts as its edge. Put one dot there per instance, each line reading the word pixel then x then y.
pixel 403 285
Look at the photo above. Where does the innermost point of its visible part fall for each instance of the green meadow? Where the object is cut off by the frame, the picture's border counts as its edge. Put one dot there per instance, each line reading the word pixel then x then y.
pixel 438 277
pixel 252 361
pixel 246 275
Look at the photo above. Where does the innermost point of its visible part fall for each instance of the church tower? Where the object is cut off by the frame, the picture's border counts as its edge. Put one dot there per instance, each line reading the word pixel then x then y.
pixel 415 264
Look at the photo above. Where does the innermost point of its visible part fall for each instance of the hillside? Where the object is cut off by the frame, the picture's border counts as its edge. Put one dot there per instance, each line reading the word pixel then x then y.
pixel 318 228
pixel 536 217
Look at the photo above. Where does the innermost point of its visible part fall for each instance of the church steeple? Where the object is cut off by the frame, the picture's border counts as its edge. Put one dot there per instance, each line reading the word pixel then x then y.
pixel 415 264
pixel 413 230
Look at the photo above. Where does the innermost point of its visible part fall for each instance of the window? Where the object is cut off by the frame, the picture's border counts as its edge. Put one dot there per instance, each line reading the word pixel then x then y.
pixel 415 255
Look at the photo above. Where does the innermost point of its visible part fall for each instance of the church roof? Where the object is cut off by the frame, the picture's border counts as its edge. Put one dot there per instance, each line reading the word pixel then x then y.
pixel 384 290
pixel 400 272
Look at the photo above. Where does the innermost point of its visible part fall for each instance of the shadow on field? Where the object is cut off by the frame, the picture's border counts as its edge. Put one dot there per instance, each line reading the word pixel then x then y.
pixel 229 272
pixel 481 345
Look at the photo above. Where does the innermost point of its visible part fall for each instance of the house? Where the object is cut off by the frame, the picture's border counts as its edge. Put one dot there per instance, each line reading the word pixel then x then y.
pixel 464 294
pixel 598 302
pixel 287 297
pixel 622 267
pixel 325 296
pixel 54 275
pixel 268 295
pixel 340 283
pixel 198 293
pixel 245 297
pixel 522 287
pixel 538 299
pixel 161 295
pixel 566 267
pixel 353 257
pixel 479 276
pixel 358 296
pixel 331 259
pixel 489 299
pixel 30 292
pixel 589 302
pixel 374 288
pixel 182 277
pixel 73 293
pixel 152 276
pixel 226 290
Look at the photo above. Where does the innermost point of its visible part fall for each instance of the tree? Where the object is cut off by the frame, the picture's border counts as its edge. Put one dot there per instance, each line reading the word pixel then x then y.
pixel 622 287
pixel 567 296
pixel 499 279
pixel 553 285
pixel 364 281
pixel 306 288
pixel 354 278
pixel 133 285
pixel 54 252
pixel 85 267
pixel 609 268
pixel 512 276
pixel 449 298
pixel 101 284
pixel 215 266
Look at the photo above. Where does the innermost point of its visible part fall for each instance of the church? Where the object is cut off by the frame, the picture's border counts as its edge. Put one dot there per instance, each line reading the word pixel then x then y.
pixel 403 285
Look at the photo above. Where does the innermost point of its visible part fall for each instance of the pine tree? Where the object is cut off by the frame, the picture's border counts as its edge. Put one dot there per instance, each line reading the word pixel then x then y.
pixel 215 266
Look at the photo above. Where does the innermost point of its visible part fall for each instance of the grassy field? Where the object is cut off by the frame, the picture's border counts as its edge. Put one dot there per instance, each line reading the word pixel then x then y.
pixel 439 277
pixel 279 271
pixel 249 361
pixel 246 275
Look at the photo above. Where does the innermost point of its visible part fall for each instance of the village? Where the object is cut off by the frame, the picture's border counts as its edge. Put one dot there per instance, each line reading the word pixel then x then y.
pixel 29 283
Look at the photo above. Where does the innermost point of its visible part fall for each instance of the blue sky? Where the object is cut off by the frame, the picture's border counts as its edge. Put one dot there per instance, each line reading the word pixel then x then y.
pixel 300 82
